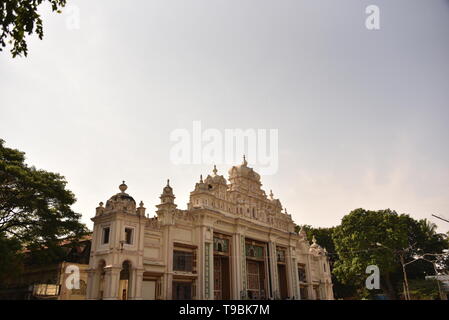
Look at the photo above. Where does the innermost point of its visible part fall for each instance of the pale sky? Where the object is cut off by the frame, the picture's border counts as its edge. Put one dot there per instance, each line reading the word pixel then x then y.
pixel 362 115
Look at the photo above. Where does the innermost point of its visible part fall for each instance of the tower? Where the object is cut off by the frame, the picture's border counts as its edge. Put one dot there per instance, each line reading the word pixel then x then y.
pixel 167 208
pixel 116 259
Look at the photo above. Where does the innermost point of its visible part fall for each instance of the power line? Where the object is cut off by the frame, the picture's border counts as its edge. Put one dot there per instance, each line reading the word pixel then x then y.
pixel 440 218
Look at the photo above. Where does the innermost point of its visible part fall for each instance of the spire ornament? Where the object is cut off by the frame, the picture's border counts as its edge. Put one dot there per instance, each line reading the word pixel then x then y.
pixel 123 187
pixel 245 163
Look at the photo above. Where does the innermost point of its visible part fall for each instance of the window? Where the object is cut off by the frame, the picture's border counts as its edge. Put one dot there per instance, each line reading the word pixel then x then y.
pixel 128 236
pixel 302 273
pixel 221 245
pixel 182 290
pixel 183 261
pixel 105 238
pixel 280 255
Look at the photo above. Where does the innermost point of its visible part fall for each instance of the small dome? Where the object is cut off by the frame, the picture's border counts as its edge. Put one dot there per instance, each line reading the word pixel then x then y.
pixel 121 202
pixel 315 247
pixel 215 178
pixel 168 190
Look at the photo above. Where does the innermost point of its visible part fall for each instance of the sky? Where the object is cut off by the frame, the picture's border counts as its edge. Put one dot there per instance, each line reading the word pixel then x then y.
pixel 362 115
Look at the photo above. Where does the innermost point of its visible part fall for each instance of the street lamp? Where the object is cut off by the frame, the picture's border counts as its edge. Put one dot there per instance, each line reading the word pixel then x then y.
pixel 435 267
pixel 416 258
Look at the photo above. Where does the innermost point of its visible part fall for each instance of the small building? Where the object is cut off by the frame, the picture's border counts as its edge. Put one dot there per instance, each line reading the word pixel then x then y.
pixel 38 281
pixel 232 242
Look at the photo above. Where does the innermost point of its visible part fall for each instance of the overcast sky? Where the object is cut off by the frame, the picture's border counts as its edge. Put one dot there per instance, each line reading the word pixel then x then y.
pixel 362 115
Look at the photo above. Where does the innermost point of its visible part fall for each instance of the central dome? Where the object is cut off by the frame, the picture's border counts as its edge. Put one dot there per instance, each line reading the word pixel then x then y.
pixel 244 171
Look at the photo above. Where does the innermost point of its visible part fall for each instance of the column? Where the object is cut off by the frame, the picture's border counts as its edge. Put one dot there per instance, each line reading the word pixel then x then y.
pixel 111 282
pixel 311 292
pixel 243 283
pixel 136 284
pixel 293 267
pixel 235 267
pixel 274 270
pixel 169 258
pixel 208 256
pixel 92 284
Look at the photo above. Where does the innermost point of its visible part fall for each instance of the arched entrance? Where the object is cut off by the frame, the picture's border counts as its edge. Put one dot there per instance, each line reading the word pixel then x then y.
pixel 125 281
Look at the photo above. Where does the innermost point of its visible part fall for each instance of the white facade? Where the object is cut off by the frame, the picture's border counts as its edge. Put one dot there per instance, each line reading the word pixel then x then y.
pixel 232 242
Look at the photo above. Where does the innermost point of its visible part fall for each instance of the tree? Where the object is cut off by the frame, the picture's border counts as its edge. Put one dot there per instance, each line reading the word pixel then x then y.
pixel 12 258
pixel 35 208
pixel 357 242
pixel 19 18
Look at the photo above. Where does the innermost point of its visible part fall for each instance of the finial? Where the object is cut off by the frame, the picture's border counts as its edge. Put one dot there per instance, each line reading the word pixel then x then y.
pixel 244 161
pixel 313 239
pixel 123 187
pixel 168 182
pixel 141 204
pixel 215 170
pixel 201 178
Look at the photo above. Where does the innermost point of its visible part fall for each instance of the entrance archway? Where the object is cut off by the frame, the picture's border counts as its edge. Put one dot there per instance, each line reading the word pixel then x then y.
pixel 125 281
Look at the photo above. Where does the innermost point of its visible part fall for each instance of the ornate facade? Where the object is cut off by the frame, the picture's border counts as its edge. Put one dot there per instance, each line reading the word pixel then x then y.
pixel 232 242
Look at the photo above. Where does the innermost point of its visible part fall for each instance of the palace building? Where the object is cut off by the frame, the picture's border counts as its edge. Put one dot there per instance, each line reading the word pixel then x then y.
pixel 232 242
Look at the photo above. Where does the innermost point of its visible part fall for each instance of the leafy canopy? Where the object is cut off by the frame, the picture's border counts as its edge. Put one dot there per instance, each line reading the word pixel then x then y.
pixel 381 238
pixel 35 206
pixel 19 18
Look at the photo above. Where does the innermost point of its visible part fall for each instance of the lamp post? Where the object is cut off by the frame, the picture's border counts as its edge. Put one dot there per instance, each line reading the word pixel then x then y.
pixel 434 268
pixel 416 258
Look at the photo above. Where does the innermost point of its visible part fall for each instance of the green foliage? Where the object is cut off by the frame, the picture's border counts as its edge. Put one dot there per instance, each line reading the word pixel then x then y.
pixel 423 289
pixel 323 236
pixel 35 207
pixel 10 253
pixel 357 242
pixel 19 18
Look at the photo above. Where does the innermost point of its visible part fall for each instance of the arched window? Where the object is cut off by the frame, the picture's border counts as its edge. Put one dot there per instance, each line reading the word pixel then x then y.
pixel 125 281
